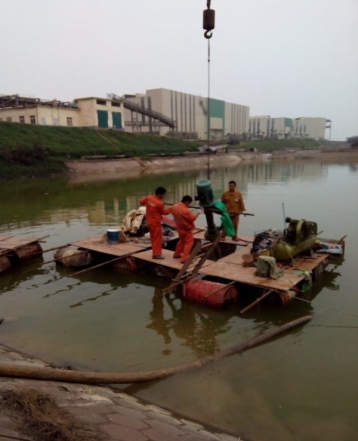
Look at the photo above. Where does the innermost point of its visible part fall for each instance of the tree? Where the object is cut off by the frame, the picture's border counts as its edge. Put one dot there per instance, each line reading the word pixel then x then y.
pixel 353 141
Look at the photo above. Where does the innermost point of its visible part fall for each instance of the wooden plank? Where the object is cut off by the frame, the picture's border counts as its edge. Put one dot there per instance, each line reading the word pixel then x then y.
pixel 14 243
pixel 200 235
pixel 239 273
pixel 207 254
pixel 100 245
pixel 168 260
pixel 183 269
pixel 302 263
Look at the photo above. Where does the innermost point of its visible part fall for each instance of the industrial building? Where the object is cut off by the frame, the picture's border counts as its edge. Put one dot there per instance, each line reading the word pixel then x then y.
pixel 265 127
pixel 162 112
pixel 82 112
pixel 193 116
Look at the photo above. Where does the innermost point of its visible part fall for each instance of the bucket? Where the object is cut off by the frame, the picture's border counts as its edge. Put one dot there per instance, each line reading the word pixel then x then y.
pixel 198 291
pixel 112 236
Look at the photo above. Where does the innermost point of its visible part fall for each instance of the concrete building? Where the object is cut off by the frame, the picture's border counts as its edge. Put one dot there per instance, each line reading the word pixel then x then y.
pixel 100 112
pixel 193 115
pixel 309 127
pixel 82 112
pixel 265 127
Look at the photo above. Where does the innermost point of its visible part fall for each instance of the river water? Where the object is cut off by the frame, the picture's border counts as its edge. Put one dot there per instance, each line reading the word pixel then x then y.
pixel 301 386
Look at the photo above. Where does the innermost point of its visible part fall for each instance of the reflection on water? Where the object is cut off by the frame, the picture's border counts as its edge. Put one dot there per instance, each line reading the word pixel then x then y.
pixel 196 329
pixel 298 387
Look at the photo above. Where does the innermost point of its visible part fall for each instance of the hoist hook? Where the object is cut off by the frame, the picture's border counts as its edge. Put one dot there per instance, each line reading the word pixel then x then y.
pixel 208 34
pixel 208 20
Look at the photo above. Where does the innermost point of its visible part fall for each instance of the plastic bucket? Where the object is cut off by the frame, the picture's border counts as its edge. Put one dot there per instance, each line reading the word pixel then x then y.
pixel 112 236
pixel 216 295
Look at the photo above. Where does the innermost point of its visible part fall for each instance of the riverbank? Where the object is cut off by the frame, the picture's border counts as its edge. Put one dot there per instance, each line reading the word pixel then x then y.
pixel 96 412
pixel 134 166
pixel 28 151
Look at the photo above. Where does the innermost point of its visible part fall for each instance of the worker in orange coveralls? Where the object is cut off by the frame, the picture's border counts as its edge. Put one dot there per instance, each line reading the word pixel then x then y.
pixel 154 212
pixel 235 205
pixel 185 224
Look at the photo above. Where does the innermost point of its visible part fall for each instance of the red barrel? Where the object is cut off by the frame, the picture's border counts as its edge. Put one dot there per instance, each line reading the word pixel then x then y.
pixel 4 263
pixel 125 266
pixel 216 295
pixel 283 297
pixel 28 251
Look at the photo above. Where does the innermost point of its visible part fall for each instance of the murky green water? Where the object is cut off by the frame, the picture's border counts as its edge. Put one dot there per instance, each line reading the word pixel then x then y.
pixel 302 386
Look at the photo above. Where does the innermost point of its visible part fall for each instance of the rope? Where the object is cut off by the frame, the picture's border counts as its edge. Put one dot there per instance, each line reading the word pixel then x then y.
pixel 326 307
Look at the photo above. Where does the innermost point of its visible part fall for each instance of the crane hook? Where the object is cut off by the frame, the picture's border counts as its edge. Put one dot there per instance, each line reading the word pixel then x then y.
pixel 208 34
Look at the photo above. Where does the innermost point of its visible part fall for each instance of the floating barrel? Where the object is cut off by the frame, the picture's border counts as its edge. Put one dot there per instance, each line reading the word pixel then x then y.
pixel 29 251
pixel 74 258
pixel 209 293
pixel 126 265
pixel 282 297
pixel 4 263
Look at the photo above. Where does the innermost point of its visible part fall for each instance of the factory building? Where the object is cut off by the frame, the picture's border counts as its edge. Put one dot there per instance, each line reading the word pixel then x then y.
pixel 193 116
pixel 265 127
pixel 82 112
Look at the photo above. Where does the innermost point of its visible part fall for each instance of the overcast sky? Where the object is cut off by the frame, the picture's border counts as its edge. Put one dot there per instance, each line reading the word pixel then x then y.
pixel 287 58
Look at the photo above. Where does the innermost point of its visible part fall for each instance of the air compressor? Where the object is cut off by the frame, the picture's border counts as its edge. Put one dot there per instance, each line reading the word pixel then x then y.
pixel 297 238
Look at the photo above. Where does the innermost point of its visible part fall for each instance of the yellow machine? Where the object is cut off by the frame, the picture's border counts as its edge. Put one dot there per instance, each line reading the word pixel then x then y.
pixel 298 237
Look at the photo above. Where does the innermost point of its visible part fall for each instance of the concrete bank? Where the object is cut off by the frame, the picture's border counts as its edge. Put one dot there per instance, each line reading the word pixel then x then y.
pixel 138 165
pixel 134 166
pixel 115 416
pixel 321 155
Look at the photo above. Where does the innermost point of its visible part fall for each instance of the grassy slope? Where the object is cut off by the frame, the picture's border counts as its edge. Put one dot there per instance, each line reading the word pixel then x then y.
pixel 279 144
pixel 27 150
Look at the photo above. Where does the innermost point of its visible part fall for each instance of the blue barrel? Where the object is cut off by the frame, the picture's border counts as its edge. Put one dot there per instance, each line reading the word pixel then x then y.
pixel 112 236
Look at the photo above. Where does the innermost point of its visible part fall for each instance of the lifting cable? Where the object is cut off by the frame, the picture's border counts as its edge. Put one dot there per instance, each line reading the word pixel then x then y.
pixel 208 25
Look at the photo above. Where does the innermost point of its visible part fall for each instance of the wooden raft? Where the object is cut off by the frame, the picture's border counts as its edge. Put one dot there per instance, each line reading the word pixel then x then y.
pixel 99 244
pixel 13 243
pixel 231 268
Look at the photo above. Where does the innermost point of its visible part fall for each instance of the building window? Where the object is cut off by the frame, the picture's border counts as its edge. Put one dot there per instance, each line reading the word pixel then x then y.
pixel 22 119
pixel 55 121
pixel 8 119
pixel 69 121
pixel 32 119
pixel 43 121
pixel 101 102
pixel 116 104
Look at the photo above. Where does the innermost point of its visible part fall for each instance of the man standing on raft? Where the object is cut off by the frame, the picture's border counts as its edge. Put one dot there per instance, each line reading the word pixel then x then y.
pixel 234 205
pixel 185 224
pixel 154 212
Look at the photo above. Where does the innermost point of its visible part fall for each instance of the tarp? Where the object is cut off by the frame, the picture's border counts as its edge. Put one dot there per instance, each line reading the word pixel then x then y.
pixel 207 149
pixel 226 221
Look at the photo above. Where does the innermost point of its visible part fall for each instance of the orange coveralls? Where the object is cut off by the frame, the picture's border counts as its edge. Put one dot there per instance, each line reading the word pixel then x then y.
pixel 154 212
pixel 185 223
pixel 234 202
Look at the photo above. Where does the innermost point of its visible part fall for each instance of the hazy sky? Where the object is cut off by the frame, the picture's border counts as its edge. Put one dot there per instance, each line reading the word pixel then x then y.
pixel 287 58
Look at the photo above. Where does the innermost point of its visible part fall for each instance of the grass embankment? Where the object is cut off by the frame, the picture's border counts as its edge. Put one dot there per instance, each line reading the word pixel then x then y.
pixel 27 151
pixel 277 145
pixel 38 151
